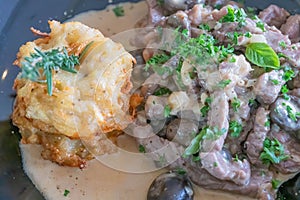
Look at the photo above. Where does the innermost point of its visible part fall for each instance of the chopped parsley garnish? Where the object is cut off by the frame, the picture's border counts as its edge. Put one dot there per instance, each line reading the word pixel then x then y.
pixel 262 55
pixel 232 59
pixel 235 15
pixel 48 62
pixel 288 74
pixel 235 128
pixel 156 61
pixel 274 81
pixel 275 183
pixel 248 34
pixel 215 164
pixel 261 25
pixel 66 192
pixel 292 115
pixel 236 158
pixel 273 152
pixel 206 133
pixel 223 83
pixel 180 171
pixel 162 91
pixel 142 149
pixel 268 122
pixel 236 104
pixel 204 27
pixel 282 44
pixel 119 11
pixel 284 91
pixel 204 110
pixel 234 36
pixel 167 111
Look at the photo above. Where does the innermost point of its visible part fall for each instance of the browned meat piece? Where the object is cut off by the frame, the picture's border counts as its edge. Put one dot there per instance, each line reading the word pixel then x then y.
pixel 199 14
pixel 259 187
pixel 274 16
pixel 274 37
pixel 155 12
pixel 292 28
pixel 265 89
pixel 180 19
pixel 254 142
pixel 217 117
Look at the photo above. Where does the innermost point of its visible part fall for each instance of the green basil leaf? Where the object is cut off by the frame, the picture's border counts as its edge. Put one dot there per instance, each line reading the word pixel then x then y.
pixel 262 55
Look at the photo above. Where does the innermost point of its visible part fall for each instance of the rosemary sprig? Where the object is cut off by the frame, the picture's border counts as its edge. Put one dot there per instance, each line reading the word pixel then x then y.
pixel 41 64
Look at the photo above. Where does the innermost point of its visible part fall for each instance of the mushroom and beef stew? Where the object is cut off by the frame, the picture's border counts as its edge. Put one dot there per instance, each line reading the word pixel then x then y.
pixel 222 83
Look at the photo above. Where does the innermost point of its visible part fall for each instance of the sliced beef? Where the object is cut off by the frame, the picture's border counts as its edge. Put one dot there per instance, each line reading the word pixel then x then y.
pixel 154 107
pixel 274 37
pixel 255 139
pixel 274 16
pixel 226 169
pixel 265 89
pixel 259 187
pixel 217 117
pixel 292 28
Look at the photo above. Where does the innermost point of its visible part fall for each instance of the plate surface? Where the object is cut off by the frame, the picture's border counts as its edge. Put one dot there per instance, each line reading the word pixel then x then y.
pixel 16 17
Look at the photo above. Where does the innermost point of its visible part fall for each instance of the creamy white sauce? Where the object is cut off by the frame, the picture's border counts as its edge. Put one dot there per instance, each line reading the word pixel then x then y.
pixel 98 181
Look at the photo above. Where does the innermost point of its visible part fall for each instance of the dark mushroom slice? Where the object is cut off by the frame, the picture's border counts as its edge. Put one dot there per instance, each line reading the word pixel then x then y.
pixel 284 113
pixel 171 186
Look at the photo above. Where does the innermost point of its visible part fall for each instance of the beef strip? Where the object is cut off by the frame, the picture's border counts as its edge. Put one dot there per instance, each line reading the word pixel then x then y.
pixel 292 28
pixel 259 187
pixel 274 37
pixel 217 117
pixel 274 16
pixel 254 142
pixel 265 89
pixel 211 154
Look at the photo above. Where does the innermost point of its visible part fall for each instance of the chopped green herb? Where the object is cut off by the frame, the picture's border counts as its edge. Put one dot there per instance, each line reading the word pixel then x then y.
pixel 119 11
pixel 232 59
pixel 248 34
pixel 66 192
pixel 48 61
pixel 282 44
pixel 167 111
pixel 235 15
pixel 204 27
pixel 262 55
pixel 268 122
pixel 273 152
pixel 261 25
pixel 236 104
pixel 235 128
pixel 234 36
pixel 206 133
pixel 204 110
pixel 274 81
pixel 236 158
pixel 215 164
pixel 252 102
pixel 213 133
pixel 292 115
pixel 180 171
pixel 289 74
pixel 142 149
pixel 275 183
pixel 162 91
pixel 208 100
pixel 223 83
pixel 284 91
pixel 156 61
